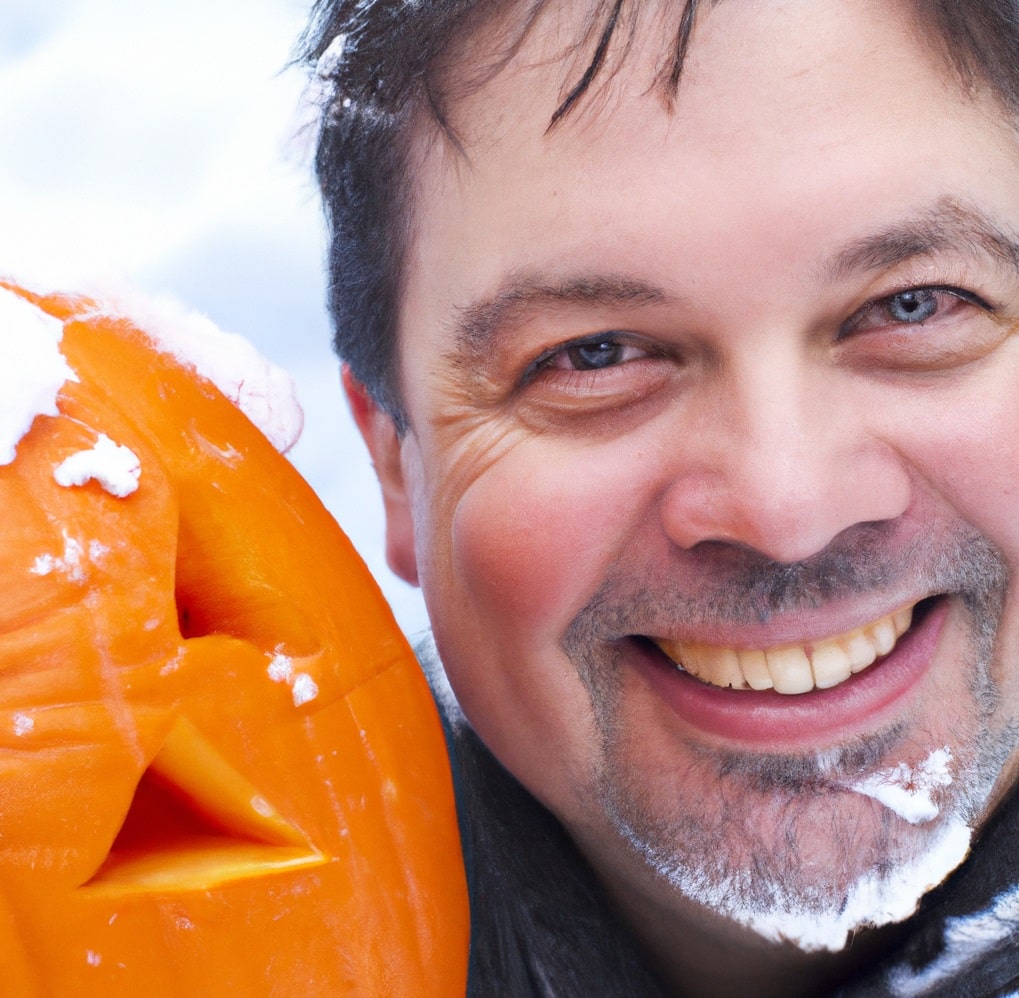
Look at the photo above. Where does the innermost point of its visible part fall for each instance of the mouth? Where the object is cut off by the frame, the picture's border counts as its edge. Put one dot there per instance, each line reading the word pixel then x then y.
pixel 788 696
pixel 792 668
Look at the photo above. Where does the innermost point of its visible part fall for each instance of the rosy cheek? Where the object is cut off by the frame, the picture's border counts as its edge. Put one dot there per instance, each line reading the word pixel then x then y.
pixel 533 539
pixel 529 546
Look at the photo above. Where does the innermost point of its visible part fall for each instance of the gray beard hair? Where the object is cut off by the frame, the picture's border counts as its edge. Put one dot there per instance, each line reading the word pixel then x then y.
pixel 767 886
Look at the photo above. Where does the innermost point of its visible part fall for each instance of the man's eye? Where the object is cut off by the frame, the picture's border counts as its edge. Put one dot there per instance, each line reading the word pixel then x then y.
pixel 593 354
pixel 912 307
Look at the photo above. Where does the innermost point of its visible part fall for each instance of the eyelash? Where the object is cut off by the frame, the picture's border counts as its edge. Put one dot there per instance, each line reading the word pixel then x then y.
pixel 884 302
pixel 616 339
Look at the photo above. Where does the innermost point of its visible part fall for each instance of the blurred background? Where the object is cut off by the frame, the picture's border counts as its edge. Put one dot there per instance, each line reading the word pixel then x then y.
pixel 161 145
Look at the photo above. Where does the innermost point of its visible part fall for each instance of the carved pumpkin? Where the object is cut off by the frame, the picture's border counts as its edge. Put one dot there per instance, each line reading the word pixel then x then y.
pixel 221 771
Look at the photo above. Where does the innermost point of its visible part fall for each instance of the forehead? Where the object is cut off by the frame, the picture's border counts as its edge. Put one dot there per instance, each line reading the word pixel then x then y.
pixel 547 56
pixel 781 107
pixel 516 60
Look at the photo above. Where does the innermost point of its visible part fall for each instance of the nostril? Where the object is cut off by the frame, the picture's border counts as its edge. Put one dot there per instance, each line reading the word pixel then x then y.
pixel 787 497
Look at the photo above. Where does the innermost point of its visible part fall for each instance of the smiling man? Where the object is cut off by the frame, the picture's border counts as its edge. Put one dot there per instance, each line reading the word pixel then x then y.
pixel 683 340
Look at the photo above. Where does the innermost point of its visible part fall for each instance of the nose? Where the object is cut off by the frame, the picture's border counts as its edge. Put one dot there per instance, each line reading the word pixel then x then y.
pixel 781 459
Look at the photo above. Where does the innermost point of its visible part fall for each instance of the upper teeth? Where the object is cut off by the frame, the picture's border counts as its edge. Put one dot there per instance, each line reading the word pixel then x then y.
pixel 791 668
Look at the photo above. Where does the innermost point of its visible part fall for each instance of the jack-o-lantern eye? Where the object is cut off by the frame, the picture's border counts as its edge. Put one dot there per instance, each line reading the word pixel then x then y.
pixel 196 823
pixel 221 769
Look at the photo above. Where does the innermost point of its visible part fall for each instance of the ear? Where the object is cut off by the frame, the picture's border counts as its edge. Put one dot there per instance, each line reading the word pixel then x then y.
pixel 385 446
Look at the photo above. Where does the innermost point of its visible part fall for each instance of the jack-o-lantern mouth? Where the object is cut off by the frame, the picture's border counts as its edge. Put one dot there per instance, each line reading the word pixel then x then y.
pixel 196 823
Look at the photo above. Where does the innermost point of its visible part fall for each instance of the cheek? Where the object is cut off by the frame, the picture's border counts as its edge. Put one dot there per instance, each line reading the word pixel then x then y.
pixel 528 543
pixel 967 449
pixel 533 539
pixel 964 445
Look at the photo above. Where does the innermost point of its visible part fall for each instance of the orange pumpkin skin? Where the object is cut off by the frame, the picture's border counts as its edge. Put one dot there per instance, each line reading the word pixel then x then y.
pixel 221 771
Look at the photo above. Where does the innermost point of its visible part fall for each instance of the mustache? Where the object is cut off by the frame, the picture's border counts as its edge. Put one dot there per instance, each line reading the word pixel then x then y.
pixel 719 582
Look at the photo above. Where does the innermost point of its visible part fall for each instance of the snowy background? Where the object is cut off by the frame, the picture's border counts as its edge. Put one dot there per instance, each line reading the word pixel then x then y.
pixel 159 145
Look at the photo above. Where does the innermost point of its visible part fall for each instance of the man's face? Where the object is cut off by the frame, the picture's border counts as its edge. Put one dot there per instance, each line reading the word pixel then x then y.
pixel 738 378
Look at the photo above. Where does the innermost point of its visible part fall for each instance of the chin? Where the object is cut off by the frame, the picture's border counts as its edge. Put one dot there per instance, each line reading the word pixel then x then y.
pixel 807 850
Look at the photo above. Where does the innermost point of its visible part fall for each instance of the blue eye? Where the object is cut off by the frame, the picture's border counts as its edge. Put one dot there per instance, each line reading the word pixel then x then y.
pixel 595 354
pixel 912 306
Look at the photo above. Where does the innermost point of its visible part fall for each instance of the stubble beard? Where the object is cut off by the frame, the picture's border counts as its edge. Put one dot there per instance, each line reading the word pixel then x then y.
pixel 785 844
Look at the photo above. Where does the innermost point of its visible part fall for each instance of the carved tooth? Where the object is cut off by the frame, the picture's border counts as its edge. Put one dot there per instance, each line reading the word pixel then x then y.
pixel 830 665
pixel 860 650
pixel 790 669
pixel 755 667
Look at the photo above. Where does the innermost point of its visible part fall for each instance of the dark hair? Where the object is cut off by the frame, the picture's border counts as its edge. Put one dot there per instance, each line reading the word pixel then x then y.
pixel 385 63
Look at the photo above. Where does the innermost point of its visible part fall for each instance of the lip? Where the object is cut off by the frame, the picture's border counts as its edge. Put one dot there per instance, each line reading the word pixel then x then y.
pixel 775 721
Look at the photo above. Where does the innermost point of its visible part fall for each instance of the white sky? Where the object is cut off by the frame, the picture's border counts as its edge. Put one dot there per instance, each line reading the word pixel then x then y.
pixel 157 144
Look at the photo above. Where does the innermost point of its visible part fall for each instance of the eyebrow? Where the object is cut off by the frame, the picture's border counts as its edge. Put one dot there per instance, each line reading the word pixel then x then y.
pixel 948 224
pixel 523 295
